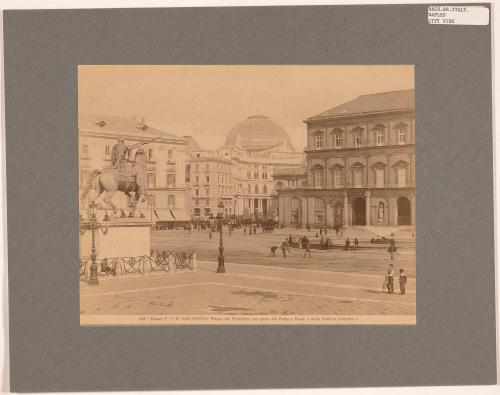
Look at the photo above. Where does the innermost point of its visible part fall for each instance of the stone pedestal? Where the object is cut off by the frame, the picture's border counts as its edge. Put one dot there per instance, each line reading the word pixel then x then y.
pixel 127 237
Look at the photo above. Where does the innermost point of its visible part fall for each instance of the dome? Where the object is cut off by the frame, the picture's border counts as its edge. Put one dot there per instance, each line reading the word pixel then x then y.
pixel 258 133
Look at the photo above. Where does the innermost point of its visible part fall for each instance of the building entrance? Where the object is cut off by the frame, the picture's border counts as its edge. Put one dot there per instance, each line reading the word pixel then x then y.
pixel 404 211
pixel 358 211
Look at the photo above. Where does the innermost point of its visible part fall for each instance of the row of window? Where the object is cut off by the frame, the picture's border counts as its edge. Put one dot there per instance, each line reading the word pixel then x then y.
pixel 218 166
pixel 380 137
pixel 357 177
pixel 255 189
pixel 256 175
pixel 290 184
pixel 220 191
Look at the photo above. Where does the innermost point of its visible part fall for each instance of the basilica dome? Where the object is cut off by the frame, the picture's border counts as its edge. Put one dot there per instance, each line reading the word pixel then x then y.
pixel 258 134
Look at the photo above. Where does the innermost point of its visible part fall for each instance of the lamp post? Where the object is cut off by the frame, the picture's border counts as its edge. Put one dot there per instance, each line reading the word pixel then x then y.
pixel 93 225
pixel 220 216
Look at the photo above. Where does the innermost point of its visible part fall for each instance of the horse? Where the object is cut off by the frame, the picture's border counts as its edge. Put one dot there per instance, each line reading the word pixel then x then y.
pixel 110 180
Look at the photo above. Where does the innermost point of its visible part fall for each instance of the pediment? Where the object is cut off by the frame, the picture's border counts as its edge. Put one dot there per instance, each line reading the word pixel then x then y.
pixel 400 163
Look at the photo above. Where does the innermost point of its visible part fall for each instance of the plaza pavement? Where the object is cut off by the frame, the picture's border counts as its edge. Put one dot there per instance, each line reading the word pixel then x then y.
pixel 255 249
pixel 246 289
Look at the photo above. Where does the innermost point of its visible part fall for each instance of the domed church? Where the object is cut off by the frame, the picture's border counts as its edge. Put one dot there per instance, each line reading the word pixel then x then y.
pixel 240 174
pixel 258 135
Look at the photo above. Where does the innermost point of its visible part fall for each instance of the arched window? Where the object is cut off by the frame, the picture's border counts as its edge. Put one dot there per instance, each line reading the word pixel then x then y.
pixel 265 189
pixel 379 174
pixel 337 138
pixel 379 134
pixel 401 130
pixel 318 176
pixel 357 175
pixel 337 172
pixel 357 135
pixel 318 139
pixel 401 172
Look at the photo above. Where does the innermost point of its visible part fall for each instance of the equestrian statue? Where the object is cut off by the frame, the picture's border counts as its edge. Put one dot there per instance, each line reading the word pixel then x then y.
pixel 125 174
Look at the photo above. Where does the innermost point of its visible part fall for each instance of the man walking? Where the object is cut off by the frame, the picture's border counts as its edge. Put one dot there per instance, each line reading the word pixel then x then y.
pixel 283 249
pixel 307 249
pixel 392 248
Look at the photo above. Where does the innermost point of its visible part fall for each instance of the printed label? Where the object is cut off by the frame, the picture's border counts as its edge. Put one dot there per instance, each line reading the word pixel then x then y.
pixel 458 15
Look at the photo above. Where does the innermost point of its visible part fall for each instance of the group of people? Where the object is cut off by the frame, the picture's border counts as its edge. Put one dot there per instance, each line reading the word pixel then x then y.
pixel 252 230
pixel 285 246
pixel 355 245
pixel 389 280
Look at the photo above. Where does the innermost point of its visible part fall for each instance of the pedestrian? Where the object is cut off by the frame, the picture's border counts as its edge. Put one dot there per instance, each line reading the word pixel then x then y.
pixel 283 249
pixel 356 243
pixel 209 233
pixel 307 249
pixel 273 250
pixel 254 230
pixel 390 279
pixel 325 231
pixel 245 230
pixel 347 244
pixel 392 249
pixel 320 231
pixel 402 281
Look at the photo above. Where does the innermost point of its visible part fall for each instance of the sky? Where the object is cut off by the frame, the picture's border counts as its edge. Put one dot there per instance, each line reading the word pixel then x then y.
pixel 206 102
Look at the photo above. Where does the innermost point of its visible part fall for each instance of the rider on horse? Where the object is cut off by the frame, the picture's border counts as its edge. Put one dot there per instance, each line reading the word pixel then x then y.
pixel 120 154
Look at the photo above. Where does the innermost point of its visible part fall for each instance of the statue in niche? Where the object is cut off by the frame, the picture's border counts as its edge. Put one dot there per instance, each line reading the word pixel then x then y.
pixel 380 213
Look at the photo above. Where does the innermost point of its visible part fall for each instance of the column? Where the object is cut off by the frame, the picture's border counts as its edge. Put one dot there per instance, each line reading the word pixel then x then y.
pixel 346 210
pixel 281 210
pixel 304 211
pixel 392 212
pixel 310 208
pixel 367 207
pixel 329 210
pixel 288 210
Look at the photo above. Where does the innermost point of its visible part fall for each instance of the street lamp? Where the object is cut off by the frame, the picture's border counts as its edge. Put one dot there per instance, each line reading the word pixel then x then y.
pixel 93 225
pixel 220 216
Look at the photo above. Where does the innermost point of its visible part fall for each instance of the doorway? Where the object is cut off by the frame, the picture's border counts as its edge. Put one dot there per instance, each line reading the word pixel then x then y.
pixel 358 211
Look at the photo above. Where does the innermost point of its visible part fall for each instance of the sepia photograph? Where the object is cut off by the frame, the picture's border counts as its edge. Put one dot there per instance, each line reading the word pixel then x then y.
pixel 247 195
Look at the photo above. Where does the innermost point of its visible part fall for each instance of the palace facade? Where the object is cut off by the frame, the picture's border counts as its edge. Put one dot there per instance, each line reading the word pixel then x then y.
pixel 360 166
pixel 165 166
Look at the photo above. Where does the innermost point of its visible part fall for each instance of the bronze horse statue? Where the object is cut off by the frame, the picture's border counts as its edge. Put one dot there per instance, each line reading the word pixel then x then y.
pixel 127 179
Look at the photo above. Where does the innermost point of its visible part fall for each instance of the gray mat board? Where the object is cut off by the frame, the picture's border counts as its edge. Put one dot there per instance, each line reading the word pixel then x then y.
pixel 454 340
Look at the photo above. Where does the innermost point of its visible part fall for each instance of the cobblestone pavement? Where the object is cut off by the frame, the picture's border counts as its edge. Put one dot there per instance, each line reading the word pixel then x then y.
pixel 246 290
